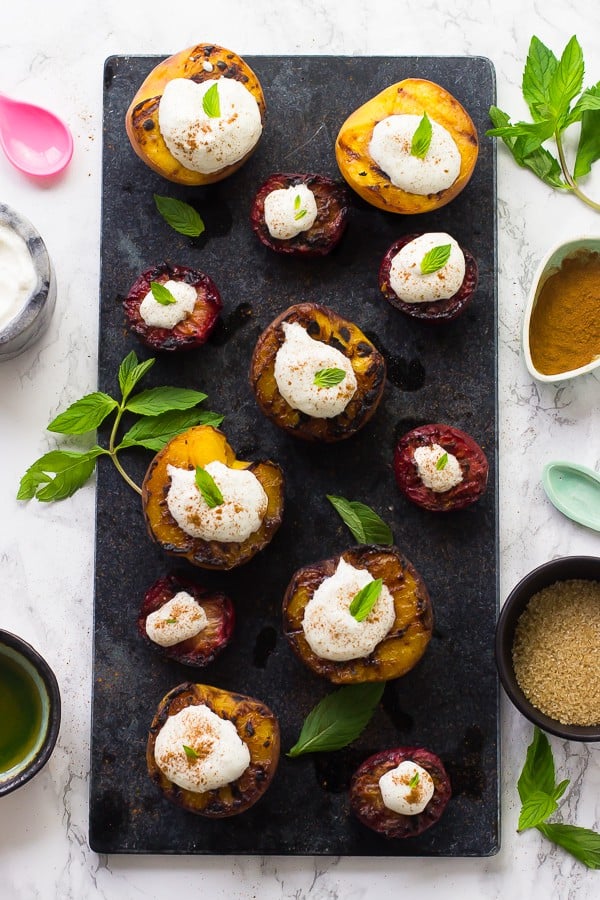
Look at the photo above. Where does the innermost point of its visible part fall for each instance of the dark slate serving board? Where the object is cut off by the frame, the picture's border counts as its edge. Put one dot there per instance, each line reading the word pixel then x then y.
pixel 449 703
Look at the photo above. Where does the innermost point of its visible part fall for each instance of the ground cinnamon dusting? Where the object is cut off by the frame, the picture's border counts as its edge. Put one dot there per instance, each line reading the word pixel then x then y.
pixel 556 651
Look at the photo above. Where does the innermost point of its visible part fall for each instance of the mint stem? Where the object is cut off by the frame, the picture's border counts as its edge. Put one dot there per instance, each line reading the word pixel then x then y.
pixel 569 178
pixel 113 452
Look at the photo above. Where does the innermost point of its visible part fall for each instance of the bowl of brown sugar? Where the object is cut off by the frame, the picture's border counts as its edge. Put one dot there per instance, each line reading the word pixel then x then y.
pixel 561 325
pixel 548 647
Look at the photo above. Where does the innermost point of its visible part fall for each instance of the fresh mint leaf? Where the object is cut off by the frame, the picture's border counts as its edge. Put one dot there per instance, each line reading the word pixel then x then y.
pixel 208 487
pixel 442 462
pixel 366 526
pixel 414 780
pixel 582 843
pixel 365 599
pixel 211 103
pixel 326 378
pixel 566 81
pixel 537 75
pixel 190 752
pixel 182 217
pixel 58 474
pixel 538 771
pixel 131 371
pixel 560 789
pixel 539 161
pixel 421 139
pixel 435 259
pixel 338 719
pixel 536 809
pixel 300 214
pixel 588 149
pixel 162 294
pixel 84 415
pixel 154 432
pixel 161 399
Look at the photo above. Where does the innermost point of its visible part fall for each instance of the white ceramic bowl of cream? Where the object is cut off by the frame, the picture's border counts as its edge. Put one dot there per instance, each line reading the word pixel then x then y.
pixel 27 284
pixel 549 265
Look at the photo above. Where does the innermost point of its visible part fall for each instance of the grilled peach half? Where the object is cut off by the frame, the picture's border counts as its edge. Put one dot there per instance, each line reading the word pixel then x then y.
pixel 402 647
pixel 256 725
pixel 322 324
pixel 203 62
pixel 195 447
pixel 413 96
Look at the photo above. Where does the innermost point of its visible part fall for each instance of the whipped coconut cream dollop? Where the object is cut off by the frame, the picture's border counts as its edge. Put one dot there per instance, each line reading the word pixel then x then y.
pixel 331 631
pixel 289 211
pixel 179 619
pixel 216 754
pixel 407 789
pixel 202 142
pixel 437 474
pixel 390 148
pixel 168 315
pixel 297 362
pixel 240 515
pixel 408 281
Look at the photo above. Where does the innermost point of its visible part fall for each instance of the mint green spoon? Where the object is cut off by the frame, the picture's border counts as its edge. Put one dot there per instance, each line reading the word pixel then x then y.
pixel 575 491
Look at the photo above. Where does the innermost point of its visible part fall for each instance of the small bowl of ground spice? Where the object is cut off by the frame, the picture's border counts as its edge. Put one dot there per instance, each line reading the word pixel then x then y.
pixel 548 647
pixel 561 326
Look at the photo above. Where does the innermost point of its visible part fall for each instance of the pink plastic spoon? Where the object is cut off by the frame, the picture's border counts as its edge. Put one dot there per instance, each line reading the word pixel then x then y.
pixel 35 141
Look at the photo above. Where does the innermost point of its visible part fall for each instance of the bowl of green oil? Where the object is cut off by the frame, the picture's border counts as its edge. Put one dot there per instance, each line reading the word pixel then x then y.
pixel 29 712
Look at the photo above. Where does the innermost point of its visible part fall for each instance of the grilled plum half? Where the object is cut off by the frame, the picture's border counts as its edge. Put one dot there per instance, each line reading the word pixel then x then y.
pixel 255 724
pixel 194 329
pixel 405 643
pixel 367 803
pixel 197 447
pixel 436 310
pixel 471 458
pixel 332 202
pixel 322 324
pixel 208 643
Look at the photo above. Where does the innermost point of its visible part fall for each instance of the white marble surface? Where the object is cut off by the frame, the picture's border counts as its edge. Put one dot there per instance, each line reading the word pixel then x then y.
pixel 53 54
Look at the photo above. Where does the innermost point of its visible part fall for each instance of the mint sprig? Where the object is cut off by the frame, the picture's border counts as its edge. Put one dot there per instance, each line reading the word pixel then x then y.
pixel 211 102
pixel 338 719
pixel 163 412
pixel 539 795
pixel 435 259
pixel 326 378
pixel 366 526
pixel 365 599
pixel 182 217
pixel 208 487
pixel 442 462
pixel 162 294
pixel 549 86
pixel 421 139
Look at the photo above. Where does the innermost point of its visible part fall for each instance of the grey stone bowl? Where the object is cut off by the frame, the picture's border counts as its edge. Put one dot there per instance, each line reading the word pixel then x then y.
pixel 32 320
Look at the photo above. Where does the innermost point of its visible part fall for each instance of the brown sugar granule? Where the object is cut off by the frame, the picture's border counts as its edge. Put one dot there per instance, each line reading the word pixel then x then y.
pixel 556 651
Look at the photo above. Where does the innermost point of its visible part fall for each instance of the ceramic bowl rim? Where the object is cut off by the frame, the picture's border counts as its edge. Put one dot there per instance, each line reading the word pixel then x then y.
pixel 16 643
pixel 577 242
pixel 562 568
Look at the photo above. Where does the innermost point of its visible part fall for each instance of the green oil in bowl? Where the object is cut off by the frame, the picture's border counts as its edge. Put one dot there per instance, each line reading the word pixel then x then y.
pixel 20 713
